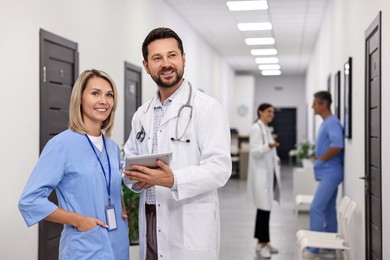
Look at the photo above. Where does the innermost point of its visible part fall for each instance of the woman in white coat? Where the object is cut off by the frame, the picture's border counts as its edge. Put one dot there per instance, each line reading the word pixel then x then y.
pixel 263 176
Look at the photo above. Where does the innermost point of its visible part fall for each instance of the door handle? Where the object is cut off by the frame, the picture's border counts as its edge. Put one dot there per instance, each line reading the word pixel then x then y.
pixel 364 177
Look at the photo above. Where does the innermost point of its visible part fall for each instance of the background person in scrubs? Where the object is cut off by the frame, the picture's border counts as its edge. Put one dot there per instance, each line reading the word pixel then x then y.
pixel 82 165
pixel 328 168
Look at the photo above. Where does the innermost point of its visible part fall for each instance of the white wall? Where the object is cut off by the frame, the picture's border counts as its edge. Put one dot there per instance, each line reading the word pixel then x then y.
pixel 292 95
pixel 244 88
pixel 108 33
pixel 342 36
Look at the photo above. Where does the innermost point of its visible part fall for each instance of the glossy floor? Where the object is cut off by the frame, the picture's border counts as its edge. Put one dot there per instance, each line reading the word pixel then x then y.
pixel 238 217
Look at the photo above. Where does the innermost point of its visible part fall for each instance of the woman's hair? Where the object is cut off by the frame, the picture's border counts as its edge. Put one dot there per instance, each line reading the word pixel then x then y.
pixel 76 122
pixel 263 107
pixel 159 34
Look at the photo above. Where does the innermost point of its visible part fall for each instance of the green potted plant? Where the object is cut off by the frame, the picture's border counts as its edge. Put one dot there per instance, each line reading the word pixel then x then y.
pixel 131 200
pixel 305 152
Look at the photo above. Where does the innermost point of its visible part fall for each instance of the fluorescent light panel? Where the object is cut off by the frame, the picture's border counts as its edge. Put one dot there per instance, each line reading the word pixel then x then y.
pixel 254 26
pixel 260 41
pixel 264 52
pixel 247 5
pixel 271 72
pixel 268 60
pixel 269 67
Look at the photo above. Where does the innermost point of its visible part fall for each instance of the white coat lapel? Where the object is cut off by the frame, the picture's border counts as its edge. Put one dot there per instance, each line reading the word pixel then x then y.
pixel 147 123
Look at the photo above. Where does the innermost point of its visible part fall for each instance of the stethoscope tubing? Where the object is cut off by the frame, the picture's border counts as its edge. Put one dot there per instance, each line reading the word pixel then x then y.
pixel 141 134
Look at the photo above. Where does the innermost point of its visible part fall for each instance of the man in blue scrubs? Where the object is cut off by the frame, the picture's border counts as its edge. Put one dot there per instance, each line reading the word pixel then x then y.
pixel 328 167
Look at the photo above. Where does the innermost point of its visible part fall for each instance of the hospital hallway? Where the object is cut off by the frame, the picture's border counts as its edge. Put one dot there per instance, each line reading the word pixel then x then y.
pixel 238 218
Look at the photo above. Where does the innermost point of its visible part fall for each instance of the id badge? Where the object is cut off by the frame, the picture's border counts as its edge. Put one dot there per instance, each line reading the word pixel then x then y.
pixel 111 217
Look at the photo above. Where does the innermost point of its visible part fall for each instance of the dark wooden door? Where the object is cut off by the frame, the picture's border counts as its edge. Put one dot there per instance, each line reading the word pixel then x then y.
pixel 373 140
pixel 133 86
pixel 285 125
pixel 58 72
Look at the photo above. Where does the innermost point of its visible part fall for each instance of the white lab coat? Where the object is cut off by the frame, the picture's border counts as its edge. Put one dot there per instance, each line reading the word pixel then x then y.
pixel 188 218
pixel 263 162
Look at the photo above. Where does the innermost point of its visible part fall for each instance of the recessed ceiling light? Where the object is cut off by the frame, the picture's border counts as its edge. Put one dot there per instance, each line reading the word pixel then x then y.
pixel 260 41
pixel 271 72
pixel 269 67
pixel 346 69
pixel 254 26
pixel 247 5
pixel 267 60
pixel 264 52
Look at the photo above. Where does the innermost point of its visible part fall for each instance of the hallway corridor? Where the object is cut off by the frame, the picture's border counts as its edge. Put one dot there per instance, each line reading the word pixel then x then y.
pixel 238 217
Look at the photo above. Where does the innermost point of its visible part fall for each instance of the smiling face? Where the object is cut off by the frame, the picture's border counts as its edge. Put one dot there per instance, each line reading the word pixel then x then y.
pixel 267 115
pixel 165 63
pixel 97 101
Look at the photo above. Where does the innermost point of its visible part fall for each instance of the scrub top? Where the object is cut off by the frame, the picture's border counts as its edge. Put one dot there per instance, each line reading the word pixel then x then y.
pixel 69 165
pixel 330 134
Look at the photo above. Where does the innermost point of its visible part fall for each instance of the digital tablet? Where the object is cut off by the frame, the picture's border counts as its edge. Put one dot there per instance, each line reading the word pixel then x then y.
pixel 148 160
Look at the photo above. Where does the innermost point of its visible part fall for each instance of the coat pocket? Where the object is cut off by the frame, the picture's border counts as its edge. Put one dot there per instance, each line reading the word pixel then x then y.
pixel 199 226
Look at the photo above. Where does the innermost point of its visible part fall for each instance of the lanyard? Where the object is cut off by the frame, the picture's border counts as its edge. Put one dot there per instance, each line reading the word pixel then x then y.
pixel 108 183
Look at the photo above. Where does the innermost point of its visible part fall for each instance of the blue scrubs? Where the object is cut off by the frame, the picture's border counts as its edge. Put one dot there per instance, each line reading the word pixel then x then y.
pixel 329 174
pixel 69 165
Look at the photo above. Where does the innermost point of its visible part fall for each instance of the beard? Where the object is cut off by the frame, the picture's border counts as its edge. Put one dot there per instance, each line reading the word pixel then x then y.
pixel 168 84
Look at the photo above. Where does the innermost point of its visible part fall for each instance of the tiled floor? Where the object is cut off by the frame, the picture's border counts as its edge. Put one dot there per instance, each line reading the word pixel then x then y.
pixel 238 216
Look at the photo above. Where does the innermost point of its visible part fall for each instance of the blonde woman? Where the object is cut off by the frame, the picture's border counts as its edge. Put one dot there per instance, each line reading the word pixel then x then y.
pixel 82 164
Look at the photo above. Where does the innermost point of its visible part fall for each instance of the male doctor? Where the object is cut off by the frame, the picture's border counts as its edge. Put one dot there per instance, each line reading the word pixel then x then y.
pixel 179 208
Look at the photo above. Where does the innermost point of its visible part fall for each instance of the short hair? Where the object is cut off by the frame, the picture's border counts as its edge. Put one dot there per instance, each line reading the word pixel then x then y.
pixel 158 34
pixel 76 122
pixel 324 97
pixel 263 107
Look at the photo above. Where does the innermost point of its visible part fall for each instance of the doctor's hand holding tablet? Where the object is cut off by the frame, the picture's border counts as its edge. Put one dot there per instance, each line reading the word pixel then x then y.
pixel 145 171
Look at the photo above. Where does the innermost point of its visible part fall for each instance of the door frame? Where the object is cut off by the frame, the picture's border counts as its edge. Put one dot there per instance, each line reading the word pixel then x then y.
pixel 137 70
pixel 45 227
pixel 280 110
pixel 375 26
pixel 50 37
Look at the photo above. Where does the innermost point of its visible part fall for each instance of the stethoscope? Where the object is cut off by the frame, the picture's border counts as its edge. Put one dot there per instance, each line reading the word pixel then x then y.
pixel 140 136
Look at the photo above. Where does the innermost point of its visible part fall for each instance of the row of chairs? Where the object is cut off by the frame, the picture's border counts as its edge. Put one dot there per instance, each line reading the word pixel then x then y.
pixel 340 240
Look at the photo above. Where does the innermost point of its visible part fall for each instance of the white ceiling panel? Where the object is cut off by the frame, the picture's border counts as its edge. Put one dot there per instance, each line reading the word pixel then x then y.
pixel 295 28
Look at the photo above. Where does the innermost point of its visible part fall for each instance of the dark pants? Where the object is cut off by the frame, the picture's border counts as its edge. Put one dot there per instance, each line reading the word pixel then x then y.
pixel 262 225
pixel 151 236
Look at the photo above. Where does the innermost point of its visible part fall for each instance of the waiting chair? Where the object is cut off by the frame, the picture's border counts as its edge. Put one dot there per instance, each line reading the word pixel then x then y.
pixel 302 203
pixel 304 188
pixel 336 242
pixel 341 210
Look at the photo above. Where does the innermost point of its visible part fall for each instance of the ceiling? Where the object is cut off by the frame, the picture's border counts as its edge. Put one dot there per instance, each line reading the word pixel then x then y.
pixel 295 27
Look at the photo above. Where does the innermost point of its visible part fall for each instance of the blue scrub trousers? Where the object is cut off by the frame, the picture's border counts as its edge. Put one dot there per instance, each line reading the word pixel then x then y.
pixel 323 216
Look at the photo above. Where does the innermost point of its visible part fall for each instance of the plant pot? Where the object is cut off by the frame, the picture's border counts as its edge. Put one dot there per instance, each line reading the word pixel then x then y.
pixel 307 163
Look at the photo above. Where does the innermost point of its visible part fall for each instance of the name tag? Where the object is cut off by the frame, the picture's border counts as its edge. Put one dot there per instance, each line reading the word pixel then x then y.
pixel 111 217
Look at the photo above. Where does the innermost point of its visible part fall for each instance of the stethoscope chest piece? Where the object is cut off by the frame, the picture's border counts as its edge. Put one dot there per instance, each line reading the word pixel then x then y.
pixel 141 135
